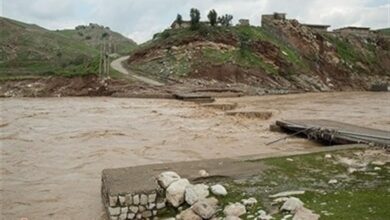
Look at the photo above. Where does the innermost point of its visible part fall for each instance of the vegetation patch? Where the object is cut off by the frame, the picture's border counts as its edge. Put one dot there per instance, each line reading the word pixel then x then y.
pixel 358 195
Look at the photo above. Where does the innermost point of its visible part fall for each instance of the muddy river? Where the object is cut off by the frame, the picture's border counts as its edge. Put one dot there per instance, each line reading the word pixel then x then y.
pixel 54 149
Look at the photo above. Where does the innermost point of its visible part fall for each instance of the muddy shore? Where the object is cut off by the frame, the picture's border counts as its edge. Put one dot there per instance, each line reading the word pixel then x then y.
pixel 54 149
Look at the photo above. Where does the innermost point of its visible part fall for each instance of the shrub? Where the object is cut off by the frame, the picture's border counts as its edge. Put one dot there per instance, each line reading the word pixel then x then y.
pixel 212 17
pixel 225 20
pixel 195 18
pixel 179 20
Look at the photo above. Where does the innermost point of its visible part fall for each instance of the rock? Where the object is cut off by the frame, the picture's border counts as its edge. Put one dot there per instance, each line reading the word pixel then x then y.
pixel 203 173
pixel 279 200
pixel 112 200
pixel 236 209
pixel 124 210
pixel 143 199
pixel 289 159
pixel 263 215
pixel 141 208
pixel 328 156
pixel 152 197
pixel 292 204
pixel 249 202
pixel 160 204
pixel 133 209
pixel 351 170
pixel 131 216
pixel 136 199
pixel 175 192
pixel 114 211
pixel 232 218
pixel 305 214
pixel 218 190
pixel 333 181
pixel 123 216
pixel 193 193
pixel 378 163
pixel 377 168
pixel 147 214
pixel 128 199
pixel 204 208
pixel 122 200
pixel 166 178
pixel 287 193
pixel 287 217
pixel 188 214
pixel 151 206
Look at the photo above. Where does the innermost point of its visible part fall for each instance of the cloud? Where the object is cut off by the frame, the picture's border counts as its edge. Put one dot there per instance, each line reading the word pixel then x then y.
pixel 140 19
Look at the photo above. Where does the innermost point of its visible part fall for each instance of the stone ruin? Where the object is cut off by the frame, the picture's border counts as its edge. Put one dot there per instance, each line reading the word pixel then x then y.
pixel 267 21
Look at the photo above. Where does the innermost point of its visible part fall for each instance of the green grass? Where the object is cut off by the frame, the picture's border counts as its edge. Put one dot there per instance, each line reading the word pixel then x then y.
pixel 346 50
pixel 40 52
pixel 385 31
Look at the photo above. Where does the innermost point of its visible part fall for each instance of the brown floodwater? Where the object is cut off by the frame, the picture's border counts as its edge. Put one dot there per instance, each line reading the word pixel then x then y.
pixel 54 149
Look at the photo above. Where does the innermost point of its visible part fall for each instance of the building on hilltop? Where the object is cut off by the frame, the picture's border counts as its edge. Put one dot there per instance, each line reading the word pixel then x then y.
pixel 185 24
pixel 317 27
pixel 268 19
pixel 243 22
pixel 358 31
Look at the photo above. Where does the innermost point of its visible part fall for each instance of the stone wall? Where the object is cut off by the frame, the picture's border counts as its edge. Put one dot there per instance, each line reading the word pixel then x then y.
pixel 133 205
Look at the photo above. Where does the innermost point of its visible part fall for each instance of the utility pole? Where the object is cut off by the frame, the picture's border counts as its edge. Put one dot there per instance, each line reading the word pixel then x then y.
pixel 101 61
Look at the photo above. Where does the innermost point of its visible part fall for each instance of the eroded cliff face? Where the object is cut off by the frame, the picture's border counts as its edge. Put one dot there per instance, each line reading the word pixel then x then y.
pixel 281 55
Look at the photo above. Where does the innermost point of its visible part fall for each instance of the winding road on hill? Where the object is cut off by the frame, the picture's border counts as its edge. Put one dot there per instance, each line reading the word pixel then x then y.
pixel 118 66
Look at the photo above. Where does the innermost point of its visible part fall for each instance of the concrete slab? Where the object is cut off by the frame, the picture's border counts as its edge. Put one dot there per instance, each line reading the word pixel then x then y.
pixel 334 132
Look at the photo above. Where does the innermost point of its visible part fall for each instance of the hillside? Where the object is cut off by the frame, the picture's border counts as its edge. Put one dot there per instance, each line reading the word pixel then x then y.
pixel 27 49
pixel 282 55
pixel 93 34
pixel 385 31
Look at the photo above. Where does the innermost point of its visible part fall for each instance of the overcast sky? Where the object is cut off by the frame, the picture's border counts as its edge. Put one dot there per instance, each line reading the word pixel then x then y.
pixel 140 19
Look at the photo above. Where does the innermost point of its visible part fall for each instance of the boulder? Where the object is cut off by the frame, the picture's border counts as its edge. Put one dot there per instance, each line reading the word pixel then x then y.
pixel 203 173
pixel 205 208
pixel 166 178
pixel 292 205
pixel 287 193
pixel 305 214
pixel 188 214
pixel 193 193
pixel 236 209
pixel 175 192
pixel 263 216
pixel 232 218
pixel 218 190
pixel 249 202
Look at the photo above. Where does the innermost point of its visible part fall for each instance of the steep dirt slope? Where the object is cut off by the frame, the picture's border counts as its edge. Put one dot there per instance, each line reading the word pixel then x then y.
pixel 285 55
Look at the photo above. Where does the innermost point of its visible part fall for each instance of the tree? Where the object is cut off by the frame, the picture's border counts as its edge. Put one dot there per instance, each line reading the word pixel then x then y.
pixel 195 18
pixel 225 20
pixel 179 20
pixel 212 17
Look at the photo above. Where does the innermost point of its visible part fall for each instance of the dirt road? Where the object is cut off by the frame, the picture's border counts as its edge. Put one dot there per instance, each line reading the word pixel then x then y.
pixel 117 65
pixel 54 149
